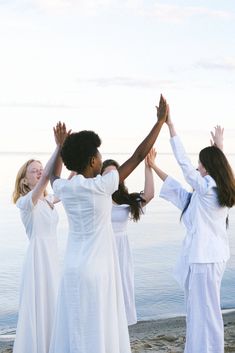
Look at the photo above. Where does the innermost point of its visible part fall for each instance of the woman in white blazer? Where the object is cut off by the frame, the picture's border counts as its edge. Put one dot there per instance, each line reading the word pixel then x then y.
pixel 205 249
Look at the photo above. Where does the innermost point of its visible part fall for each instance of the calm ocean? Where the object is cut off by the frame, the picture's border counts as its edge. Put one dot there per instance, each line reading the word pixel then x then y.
pixel 155 242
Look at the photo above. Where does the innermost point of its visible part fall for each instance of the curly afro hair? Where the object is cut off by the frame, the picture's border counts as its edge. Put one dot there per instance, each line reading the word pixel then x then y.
pixel 78 149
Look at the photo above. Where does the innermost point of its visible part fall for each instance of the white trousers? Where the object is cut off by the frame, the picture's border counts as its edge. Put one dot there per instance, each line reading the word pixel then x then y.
pixel 204 321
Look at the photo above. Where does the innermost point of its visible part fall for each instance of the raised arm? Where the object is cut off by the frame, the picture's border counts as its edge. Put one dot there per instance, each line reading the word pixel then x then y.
pixel 217 137
pixel 170 124
pixel 148 193
pixel 143 149
pixel 152 164
pixel 60 134
pixel 171 189
pixel 53 163
pixel 192 176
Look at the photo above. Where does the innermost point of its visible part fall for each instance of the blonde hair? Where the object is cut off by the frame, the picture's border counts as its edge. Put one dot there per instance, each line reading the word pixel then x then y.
pixel 21 187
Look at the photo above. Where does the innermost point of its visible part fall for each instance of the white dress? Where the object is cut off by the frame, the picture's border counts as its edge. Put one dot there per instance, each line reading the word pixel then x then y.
pixel 39 284
pixel 120 217
pixel 90 315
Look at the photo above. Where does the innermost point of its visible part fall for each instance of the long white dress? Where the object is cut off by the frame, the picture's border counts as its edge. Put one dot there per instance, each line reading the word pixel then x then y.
pixel 90 315
pixel 120 217
pixel 39 283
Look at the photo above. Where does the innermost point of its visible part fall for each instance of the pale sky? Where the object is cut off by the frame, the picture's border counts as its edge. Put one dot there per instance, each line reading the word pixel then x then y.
pixel 102 64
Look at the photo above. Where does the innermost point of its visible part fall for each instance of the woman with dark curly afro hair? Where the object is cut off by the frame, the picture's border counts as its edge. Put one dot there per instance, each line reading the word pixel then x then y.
pixel 90 315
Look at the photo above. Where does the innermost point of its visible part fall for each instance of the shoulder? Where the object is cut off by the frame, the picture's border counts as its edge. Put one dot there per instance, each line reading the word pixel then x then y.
pixel 210 182
pixel 108 182
pixel 25 202
pixel 122 206
pixel 59 183
pixel 110 177
pixel 113 174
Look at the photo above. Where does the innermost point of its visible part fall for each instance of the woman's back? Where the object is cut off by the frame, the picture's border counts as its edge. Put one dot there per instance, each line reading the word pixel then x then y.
pixel 87 202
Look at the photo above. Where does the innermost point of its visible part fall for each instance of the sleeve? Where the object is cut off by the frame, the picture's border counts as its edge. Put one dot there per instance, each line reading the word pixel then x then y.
pixel 51 198
pixel 110 181
pixel 192 176
pixel 25 202
pixel 172 191
pixel 58 186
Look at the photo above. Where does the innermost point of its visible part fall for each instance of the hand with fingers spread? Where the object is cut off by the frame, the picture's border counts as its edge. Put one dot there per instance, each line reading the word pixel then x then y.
pixel 217 137
pixel 60 133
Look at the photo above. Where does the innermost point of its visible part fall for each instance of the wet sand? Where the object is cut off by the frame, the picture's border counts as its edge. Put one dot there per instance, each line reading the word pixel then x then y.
pixel 161 336
pixel 168 335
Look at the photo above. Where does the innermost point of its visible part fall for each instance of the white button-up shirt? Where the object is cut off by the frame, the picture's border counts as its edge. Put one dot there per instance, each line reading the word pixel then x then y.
pixel 206 240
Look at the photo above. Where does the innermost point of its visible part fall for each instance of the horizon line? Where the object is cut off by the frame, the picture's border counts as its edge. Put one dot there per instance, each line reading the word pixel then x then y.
pixel 114 153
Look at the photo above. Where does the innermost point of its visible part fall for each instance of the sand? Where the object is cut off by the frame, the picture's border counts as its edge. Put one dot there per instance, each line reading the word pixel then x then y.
pixel 162 336
pixel 168 335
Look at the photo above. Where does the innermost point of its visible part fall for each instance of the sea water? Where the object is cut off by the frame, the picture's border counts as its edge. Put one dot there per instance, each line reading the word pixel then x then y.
pixel 155 242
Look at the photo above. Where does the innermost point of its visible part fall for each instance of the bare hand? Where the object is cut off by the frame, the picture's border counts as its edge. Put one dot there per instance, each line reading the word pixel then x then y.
pixel 168 118
pixel 150 158
pixel 217 137
pixel 162 109
pixel 60 133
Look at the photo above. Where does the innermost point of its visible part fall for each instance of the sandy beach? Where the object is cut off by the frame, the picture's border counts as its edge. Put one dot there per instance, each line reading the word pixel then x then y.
pixel 161 336
pixel 168 335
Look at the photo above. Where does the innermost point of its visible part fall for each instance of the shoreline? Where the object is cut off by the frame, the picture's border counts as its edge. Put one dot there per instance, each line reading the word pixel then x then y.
pixel 161 336
pixel 168 335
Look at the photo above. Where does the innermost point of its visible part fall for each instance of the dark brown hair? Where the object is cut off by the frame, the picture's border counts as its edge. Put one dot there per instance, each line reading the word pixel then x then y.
pixel 122 195
pixel 217 166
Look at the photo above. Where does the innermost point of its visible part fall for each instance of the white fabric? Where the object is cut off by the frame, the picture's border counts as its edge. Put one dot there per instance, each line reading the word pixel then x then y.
pixel 203 255
pixel 205 329
pixel 120 216
pixel 90 310
pixel 207 238
pixel 39 282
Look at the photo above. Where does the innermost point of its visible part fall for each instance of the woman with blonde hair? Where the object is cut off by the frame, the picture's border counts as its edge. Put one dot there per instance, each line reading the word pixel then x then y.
pixel 39 281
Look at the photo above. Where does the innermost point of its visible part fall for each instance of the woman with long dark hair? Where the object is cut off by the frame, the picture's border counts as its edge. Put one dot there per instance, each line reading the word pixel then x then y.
pixel 127 206
pixel 205 249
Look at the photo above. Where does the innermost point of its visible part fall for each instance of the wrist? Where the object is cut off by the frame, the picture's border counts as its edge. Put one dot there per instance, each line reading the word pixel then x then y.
pixel 58 146
pixel 161 121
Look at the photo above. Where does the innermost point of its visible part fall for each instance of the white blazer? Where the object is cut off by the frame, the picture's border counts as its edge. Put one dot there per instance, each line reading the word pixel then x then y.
pixel 206 240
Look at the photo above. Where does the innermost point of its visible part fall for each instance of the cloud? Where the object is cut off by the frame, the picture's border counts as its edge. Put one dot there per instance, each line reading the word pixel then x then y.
pixel 83 7
pixel 56 7
pixel 35 105
pixel 176 13
pixel 126 81
pixel 157 9
pixel 227 64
